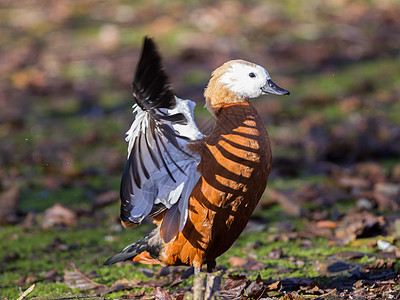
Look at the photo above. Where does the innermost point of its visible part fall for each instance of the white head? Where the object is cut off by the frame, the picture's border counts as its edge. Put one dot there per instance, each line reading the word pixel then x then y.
pixel 249 80
pixel 237 81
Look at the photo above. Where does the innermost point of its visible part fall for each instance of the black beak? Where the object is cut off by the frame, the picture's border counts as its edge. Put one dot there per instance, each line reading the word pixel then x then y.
pixel 272 88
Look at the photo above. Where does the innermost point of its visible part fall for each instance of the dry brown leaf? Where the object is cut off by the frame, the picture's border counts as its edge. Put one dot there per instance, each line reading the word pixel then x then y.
pixel 59 215
pixel 288 204
pixel 155 283
pixel 8 205
pixel 357 224
pixel 236 261
pixel 233 286
pixel 385 202
pixel 185 275
pixel 160 294
pixel 318 231
pixel 326 224
pixel 275 253
pixel 275 286
pixel 137 295
pixel 247 264
pixel 77 280
pixel 119 285
pixel 255 289
pixel 105 198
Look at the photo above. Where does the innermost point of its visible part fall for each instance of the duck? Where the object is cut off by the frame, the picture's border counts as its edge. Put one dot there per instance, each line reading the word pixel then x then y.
pixel 199 190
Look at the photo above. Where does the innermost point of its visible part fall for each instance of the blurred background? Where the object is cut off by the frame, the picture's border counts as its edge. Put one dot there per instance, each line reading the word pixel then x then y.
pixel 65 100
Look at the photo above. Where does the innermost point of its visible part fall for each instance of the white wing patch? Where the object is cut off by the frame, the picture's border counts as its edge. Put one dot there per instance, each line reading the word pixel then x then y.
pixel 158 187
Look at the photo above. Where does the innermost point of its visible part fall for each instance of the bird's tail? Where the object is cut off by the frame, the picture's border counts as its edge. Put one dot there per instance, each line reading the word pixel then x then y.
pixel 150 243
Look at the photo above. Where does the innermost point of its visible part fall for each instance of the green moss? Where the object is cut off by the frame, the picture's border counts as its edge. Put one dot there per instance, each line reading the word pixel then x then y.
pixel 43 199
pixel 288 183
pixel 86 248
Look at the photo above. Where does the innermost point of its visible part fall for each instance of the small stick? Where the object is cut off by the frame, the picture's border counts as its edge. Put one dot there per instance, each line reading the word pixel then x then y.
pixel 27 292
pixel 198 286
pixel 213 284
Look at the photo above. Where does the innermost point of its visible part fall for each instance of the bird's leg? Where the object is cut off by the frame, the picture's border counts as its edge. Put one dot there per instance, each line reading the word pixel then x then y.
pixel 211 266
pixel 197 271
pixel 198 284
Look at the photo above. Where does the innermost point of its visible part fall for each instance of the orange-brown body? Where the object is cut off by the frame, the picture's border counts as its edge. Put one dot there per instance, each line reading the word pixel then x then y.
pixel 235 165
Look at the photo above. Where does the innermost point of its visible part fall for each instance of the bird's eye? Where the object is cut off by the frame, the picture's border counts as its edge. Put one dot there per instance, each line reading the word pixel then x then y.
pixel 252 75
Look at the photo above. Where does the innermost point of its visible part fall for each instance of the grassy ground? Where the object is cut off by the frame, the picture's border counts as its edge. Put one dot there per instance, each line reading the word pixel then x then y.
pixel 65 105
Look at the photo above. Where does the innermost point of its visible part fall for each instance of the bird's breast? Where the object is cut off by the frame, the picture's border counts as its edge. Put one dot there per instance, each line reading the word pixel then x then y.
pixel 234 167
pixel 235 164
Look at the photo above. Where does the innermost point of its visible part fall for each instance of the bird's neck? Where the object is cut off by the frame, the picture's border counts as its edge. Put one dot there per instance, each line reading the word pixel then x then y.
pixel 217 96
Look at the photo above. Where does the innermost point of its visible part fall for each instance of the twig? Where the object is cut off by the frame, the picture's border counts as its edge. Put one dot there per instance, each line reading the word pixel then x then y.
pixel 213 284
pixel 27 292
pixel 198 286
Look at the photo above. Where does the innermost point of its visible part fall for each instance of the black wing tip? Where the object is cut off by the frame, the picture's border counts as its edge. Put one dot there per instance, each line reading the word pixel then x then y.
pixel 151 86
pixel 108 262
pixel 148 41
pixel 116 258
pixel 149 47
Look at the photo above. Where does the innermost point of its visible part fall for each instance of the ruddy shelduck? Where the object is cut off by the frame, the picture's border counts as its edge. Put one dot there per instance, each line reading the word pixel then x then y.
pixel 199 190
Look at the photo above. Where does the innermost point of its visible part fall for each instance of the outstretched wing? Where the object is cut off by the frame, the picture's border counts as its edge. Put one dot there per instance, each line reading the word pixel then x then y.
pixel 160 173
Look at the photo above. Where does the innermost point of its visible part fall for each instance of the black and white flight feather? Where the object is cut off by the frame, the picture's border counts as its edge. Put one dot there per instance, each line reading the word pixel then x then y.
pixel 160 173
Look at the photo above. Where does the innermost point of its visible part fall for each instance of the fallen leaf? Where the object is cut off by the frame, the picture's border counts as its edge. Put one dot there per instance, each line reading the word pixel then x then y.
pixel 379 264
pixel 236 261
pixel 119 285
pixel 57 245
pixel 59 215
pixel 315 290
pixel 247 264
pixel 358 224
pixel 77 280
pixel 318 231
pixel 385 202
pixel 275 286
pixel 26 279
pixel 326 224
pixel 155 283
pixel 185 275
pixel 137 295
pixel 275 254
pixel 233 286
pixel 51 276
pixel 255 290
pixel 359 283
pixel 160 294
pixel 8 205
pixel 180 297
pixel 287 203
pixel 105 199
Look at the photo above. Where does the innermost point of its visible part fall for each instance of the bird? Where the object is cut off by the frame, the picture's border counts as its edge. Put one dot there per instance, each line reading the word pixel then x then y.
pixel 199 190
